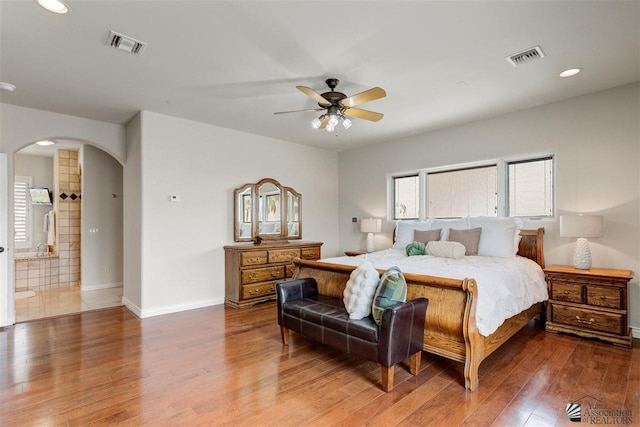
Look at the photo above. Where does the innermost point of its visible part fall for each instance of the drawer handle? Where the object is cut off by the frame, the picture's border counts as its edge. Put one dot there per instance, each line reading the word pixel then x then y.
pixel 274 274
pixel 256 259
pixel 603 297
pixel 566 292
pixel 584 321
pixel 252 276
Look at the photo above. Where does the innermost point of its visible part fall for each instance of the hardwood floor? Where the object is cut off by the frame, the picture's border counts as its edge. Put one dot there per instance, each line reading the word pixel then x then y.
pixel 220 366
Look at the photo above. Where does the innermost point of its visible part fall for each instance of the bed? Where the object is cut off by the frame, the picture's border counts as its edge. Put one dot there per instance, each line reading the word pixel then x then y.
pixel 451 326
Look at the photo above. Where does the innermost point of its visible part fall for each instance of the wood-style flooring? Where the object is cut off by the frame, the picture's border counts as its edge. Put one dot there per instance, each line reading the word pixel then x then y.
pixel 220 366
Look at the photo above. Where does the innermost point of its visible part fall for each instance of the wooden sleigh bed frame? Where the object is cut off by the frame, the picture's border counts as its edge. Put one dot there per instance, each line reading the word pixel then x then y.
pixel 450 325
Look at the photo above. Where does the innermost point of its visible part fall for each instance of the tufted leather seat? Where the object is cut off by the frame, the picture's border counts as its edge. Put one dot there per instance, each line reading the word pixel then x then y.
pixel 324 319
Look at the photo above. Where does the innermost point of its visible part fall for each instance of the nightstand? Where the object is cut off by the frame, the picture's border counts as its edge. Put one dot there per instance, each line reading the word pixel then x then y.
pixel 354 253
pixel 589 303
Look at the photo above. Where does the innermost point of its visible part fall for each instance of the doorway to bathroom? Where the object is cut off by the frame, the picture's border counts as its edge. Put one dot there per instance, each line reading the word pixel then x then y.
pixel 68 230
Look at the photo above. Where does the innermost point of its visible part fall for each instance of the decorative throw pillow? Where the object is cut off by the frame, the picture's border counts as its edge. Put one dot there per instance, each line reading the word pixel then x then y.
pixel 500 236
pixel 415 248
pixel 426 236
pixel 469 238
pixel 391 290
pixel 453 250
pixel 358 294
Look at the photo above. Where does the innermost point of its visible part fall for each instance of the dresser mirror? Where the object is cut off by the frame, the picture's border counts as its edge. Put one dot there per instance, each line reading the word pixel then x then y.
pixel 266 210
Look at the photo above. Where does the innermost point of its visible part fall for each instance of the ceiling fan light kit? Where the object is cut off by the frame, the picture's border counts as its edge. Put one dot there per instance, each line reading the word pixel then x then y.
pixel 337 105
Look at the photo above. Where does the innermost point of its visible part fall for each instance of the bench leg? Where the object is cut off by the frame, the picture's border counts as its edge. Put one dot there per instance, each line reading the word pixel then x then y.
pixel 414 363
pixel 387 378
pixel 284 332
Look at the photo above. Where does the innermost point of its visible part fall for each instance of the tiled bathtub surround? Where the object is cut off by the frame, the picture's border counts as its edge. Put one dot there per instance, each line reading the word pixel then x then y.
pixel 37 273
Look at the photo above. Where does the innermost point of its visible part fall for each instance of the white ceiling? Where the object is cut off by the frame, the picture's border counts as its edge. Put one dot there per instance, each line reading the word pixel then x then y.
pixel 234 63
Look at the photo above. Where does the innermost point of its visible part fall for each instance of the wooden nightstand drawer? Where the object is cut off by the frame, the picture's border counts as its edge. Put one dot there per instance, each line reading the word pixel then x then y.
pixel 564 291
pixel 594 320
pixel 253 258
pixel 605 297
pixel 310 253
pixel 283 255
pixel 256 275
pixel 253 291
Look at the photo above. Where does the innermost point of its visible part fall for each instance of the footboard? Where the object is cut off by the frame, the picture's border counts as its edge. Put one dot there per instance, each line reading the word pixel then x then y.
pixel 450 325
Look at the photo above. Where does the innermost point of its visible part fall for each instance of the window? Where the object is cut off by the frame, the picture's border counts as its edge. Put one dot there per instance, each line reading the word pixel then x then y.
pixel 406 197
pixel 530 187
pixel 520 187
pixel 22 211
pixel 463 192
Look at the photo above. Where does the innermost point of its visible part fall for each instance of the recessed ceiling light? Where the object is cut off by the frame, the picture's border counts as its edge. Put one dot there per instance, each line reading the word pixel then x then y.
pixel 570 72
pixel 55 6
pixel 45 142
pixel 7 86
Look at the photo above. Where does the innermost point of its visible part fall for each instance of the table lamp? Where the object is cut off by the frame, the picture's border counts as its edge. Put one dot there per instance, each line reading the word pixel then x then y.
pixel 370 226
pixel 581 226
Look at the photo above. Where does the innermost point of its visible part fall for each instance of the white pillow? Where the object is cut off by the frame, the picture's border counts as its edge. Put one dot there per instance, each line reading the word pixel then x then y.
pixel 500 236
pixel 454 250
pixel 360 289
pixel 404 231
pixel 446 224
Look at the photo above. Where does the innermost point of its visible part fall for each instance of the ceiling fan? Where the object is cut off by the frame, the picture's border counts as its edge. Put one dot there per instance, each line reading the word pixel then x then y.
pixel 337 105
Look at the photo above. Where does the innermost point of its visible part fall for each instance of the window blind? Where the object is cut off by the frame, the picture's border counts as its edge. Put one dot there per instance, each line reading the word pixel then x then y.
pixel 22 211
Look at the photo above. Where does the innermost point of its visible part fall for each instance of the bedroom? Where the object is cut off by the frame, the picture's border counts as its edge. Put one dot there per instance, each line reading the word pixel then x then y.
pixel 594 136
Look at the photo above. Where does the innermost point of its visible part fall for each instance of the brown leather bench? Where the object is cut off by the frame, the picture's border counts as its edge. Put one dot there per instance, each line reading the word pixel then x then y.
pixel 325 320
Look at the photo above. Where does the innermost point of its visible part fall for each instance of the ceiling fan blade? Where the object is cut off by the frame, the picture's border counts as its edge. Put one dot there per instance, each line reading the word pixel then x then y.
pixel 300 111
pixel 313 95
pixel 362 97
pixel 363 114
pixel 324 122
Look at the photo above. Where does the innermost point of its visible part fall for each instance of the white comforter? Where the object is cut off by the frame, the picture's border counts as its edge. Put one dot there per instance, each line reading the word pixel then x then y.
pixel 506 286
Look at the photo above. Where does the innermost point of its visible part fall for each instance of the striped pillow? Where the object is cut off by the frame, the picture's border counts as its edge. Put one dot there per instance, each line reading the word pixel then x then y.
pixel 391 290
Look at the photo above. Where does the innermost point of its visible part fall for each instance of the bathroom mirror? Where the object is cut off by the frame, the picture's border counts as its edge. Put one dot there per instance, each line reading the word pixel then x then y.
pixel 266 210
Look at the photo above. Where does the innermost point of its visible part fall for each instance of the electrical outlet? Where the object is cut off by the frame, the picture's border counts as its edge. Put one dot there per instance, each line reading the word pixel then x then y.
pixel 354 219
pixel 174 198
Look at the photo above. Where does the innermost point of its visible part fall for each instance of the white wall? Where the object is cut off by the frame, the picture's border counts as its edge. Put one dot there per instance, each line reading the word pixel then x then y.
pixel 41 169
pixel 596 141
pixel 101 251
pixel 20 127
pixel 182 263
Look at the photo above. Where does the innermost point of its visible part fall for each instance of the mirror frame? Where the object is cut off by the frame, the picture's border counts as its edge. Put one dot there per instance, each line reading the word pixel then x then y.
pixel 256 237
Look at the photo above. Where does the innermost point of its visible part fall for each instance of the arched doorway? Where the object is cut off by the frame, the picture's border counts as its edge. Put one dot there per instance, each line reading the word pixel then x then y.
pixel 81 269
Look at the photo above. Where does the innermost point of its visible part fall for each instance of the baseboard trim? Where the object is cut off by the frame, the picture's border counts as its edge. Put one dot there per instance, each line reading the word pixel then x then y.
pixel 84 288
pixel 142 313
pixel 635 332
pixel 132 307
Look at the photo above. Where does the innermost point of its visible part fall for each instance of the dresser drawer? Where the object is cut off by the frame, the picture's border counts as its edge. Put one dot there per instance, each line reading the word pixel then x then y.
pixel 289 270
pixel 588 319
pixel 283 255
pixel 605 297
pixel 310 253
pixel 565 291
pixel 256 275
pixel 262 289
pixel 253 258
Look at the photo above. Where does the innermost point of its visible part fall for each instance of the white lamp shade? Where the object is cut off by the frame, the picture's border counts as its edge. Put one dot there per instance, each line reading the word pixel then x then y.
pixel 580 225
pixel 370 225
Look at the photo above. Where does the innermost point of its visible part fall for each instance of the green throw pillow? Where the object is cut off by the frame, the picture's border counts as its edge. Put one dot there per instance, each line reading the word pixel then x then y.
pixel 391 290
pixel 415 248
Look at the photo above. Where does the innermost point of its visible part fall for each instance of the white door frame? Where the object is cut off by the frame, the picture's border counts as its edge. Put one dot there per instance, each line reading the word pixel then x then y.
pixel 7 306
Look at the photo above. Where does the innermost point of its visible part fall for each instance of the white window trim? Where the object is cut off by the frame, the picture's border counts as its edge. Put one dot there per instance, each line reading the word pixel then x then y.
pixel 502 185
pixel 29 220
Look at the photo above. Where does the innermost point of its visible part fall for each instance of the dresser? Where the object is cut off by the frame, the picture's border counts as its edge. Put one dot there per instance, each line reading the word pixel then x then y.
pixel 589 303
pixel 251 271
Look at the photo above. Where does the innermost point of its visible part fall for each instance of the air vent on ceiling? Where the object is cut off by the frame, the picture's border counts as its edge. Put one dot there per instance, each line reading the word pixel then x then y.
pixel 525 56
pixel 126 43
